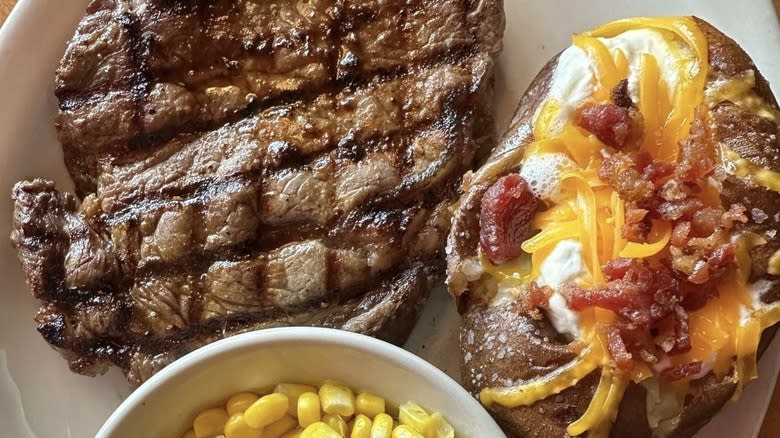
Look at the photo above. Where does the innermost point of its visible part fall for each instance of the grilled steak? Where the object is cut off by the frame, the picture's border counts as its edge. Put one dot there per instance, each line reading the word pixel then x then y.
pixel 250 164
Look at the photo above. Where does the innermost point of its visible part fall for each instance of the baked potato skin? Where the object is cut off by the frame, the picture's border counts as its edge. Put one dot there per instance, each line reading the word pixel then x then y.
pixel 531 348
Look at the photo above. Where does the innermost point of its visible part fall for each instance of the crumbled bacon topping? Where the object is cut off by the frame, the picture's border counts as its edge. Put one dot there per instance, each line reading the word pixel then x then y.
pixel 610 123
pixel 637 225
pixel 697 154
pixel 700 246
pixel 652 298
pixel 617 348
pixel 680 234
pixel 537 297
pixel 647 299
pixel 620 95
pixel 680 372
pixel 508 207
pixel 619 170
pixel 616 124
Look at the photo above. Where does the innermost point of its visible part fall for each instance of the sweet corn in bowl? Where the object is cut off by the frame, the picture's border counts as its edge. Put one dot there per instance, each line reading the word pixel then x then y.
pixel 209 387
pixel 331 410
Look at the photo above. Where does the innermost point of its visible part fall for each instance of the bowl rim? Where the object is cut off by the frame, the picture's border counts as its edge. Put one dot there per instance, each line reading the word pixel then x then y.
pixel 311 335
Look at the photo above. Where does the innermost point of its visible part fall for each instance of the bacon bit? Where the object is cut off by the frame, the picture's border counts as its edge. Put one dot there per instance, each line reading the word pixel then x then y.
pixel 647 300
pixel 654 171
pixel 707 220
pixel 619 296
pixel 621 96
pixel 508 207
pixel 537 297
pixel 673 190
pixel 616 268
pixel 700 273
pixel 636 215
pixel 610 123
pixel 735 214
pixel 637 225
pixel 617 348
pixel 680 234
pixel 676 210
pixel 721 258
pixel 700 245
pixel 682 338
pixel 696 151
pixel 620 172
pixel 679 372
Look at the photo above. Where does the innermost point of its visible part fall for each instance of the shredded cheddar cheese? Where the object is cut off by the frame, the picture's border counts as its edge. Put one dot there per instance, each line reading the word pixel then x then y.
pixel 564 377
pixel 607 398
pixel 723 333
pixel 743 168
pixel 774 263
pixel 606 68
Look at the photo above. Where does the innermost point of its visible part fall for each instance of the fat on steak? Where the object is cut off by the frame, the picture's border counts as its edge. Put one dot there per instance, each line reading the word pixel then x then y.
pixel 250 164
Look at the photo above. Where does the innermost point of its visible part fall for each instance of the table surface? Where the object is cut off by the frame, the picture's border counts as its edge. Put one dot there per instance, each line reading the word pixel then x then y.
pixel 771 426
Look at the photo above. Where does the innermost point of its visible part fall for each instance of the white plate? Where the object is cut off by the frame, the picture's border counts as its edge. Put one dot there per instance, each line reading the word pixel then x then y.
pixel 40 397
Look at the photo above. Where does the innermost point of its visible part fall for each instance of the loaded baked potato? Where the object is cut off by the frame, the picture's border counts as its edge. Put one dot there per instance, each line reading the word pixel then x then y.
pixel 615 260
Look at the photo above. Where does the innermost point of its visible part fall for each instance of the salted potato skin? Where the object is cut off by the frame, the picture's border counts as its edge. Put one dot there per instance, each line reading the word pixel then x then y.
pixel 501 344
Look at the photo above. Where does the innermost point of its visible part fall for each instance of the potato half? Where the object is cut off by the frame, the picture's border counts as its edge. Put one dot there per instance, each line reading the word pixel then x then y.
pixel 504 343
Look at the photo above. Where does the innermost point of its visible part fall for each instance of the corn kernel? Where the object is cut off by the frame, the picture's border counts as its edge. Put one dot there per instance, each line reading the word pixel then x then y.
pixel 239 402
pixel 209 423
pixel 404 431
pixel 337 398
pixel 295 433
pixel 279 428
pixel 293 391
pixel 361 427
pixel 369 404
pixel 236 427
pixel 382 426
pixel 336 423
pixel 308 409
pixel 189 434
pixel 266 410
pixel 440 428
pixel 411 414
pixel 319 430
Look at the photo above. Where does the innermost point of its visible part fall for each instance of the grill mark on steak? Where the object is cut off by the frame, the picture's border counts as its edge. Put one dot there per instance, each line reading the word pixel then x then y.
pixel 120 141
pixel 336 234
pixel 391 139
pixel 141 139
pixel 56 328
pixel 357 314
pixel 342 68
pixel 135 204
pixel 322 200
pixel 139 266
pixel 139 78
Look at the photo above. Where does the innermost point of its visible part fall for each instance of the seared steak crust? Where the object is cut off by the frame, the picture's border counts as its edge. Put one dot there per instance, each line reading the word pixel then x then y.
pixel 137 72
pixel 250 164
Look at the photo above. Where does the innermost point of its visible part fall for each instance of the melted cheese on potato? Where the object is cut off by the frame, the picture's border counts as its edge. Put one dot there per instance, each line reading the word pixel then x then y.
pixel 666 63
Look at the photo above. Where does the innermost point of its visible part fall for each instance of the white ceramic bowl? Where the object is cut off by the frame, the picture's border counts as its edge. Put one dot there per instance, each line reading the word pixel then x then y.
pixel 166 404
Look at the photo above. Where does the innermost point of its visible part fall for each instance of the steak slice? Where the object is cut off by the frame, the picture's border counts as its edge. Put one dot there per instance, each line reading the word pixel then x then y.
pixel 251 164
pixel 140 72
